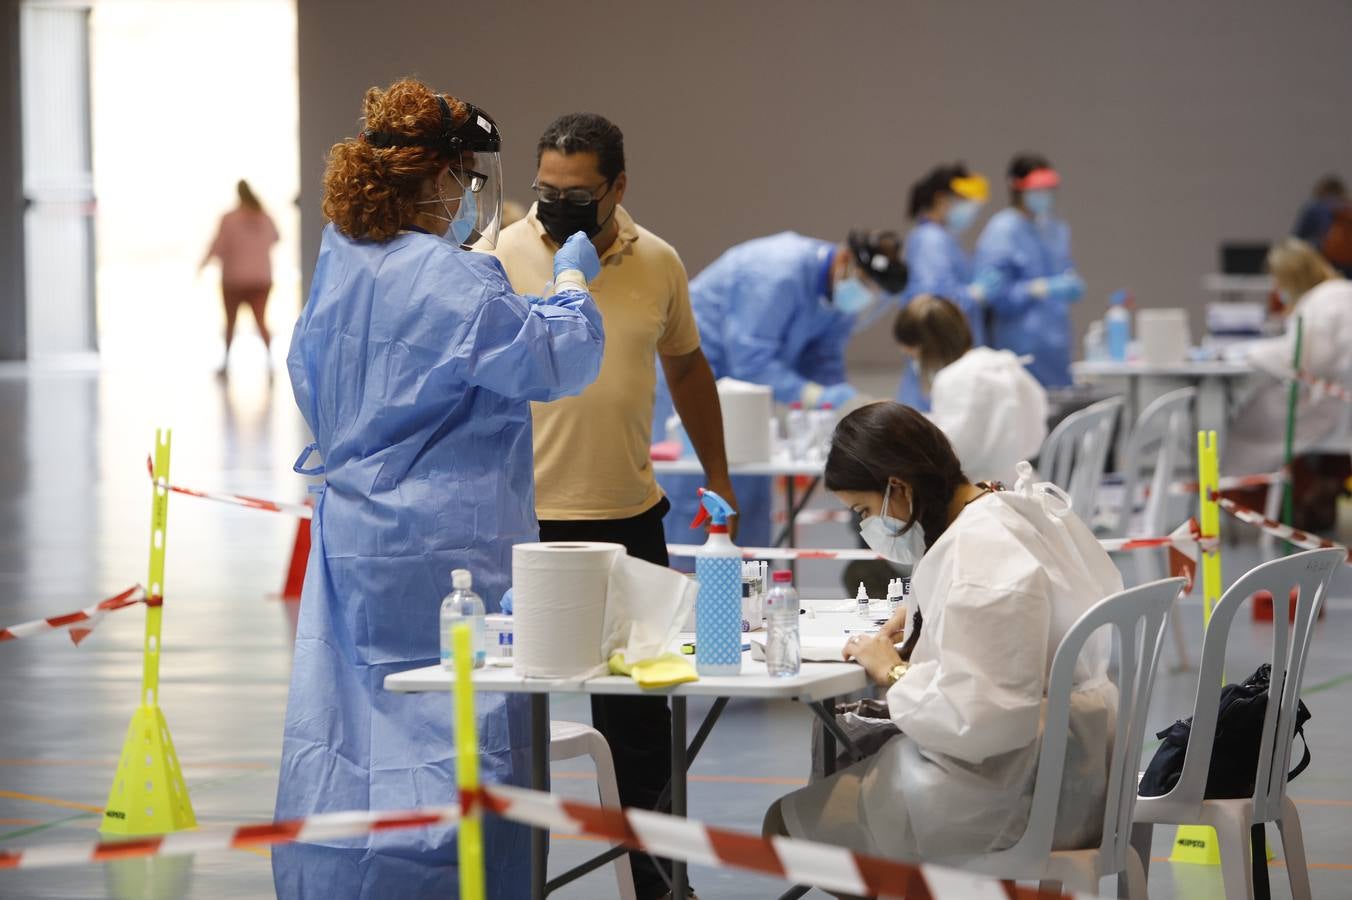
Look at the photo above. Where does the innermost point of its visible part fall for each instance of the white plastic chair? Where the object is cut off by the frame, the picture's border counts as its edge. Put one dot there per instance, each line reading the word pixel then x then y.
pixel 1143 609
pixel 570 740
pixel 1233 820
pixel 1163 431
pixel 1076 452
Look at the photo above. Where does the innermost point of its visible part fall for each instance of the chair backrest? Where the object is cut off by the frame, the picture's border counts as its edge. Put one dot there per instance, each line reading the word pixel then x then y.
pixel 1309 574
pixel 1138 616
pixel 1076 452
pixel 1162 430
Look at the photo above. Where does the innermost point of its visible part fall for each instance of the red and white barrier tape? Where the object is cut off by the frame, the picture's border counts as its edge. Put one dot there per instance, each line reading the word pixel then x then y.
pixel 797 861
pixel 303 510
pixel 319 827
pixel 1233 483
pixel 81 622
pixel 1286 533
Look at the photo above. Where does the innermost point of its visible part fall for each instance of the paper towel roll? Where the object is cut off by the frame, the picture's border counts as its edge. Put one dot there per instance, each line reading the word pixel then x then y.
pixel 559 605
pixel 1164 336
pixel 746 420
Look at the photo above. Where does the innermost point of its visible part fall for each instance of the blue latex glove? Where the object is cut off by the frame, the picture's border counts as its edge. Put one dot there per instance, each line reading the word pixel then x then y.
pixel 1068 287
pixel 506 602
pixel 577 253
pixel 837 395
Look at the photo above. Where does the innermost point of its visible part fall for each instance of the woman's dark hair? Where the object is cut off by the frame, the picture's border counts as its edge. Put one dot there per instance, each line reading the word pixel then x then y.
pixel 586 133
pixel 889 440
pixel 934 185
pixel 1020 166
pixel 247 198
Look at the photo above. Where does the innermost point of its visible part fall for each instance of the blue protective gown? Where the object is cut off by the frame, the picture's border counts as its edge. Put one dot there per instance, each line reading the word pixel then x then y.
pixel 1013 250
pixel 939 266
pixel 764 315
pixel 412 363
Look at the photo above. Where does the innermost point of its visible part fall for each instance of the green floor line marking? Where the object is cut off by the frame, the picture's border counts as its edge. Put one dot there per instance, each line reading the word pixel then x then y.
pixel 1326 685
pixel 34 829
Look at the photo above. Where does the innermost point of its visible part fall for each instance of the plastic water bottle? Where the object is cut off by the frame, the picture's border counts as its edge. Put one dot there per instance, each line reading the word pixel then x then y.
pixel 1095 343
pixel 821 423
pixel 1117 324
pixel 798 434
pixel 462 605
pixel 783 653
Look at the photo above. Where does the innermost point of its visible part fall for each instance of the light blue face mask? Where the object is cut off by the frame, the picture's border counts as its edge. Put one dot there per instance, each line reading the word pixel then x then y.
pixel 1040 202
pixel 851 296
pixel 462 226
pixel 961 215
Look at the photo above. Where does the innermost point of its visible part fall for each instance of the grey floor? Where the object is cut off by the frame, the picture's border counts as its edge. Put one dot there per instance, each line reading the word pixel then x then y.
pixel 73 500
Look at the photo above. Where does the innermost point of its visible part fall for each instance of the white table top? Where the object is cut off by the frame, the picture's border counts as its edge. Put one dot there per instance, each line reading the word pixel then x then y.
pixel 692 467
pixel 1237 284
pixel 816 681
pixel 1216 369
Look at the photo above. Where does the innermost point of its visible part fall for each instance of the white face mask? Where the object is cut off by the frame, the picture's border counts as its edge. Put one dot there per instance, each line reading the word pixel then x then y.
pixel 885 536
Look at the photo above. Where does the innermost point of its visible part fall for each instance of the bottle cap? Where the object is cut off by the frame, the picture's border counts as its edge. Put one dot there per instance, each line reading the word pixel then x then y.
pixel 462 580
pixel 783 576
pixel 797 404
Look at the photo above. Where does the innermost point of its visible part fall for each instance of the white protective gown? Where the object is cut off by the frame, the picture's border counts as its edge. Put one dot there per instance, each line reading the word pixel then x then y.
pixel 1256 441
pixel 992 410
pixel 997 591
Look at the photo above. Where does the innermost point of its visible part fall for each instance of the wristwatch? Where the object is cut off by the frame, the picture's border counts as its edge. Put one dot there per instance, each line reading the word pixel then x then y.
pixel 894 674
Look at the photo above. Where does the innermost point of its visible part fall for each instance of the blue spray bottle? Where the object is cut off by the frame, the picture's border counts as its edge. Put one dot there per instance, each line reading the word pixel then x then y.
pixel 718 608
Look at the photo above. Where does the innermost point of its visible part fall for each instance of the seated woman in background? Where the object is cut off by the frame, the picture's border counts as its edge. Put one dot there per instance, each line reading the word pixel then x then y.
pixel 1001 577
pixel 1312 291
pixel 992 410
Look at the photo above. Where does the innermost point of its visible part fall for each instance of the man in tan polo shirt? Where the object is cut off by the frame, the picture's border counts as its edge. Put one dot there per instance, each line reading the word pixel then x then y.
pixel 593 475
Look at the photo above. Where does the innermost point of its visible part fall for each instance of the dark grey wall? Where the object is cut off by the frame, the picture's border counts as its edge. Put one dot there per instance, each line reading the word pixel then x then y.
pixel 1175 125
pixel 13 335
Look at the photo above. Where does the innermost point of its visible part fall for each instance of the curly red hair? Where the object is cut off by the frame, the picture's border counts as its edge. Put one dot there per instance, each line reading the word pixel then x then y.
pixel 370 192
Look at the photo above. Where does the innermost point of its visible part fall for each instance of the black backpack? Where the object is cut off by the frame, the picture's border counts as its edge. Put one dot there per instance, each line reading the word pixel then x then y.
pixel 1234 755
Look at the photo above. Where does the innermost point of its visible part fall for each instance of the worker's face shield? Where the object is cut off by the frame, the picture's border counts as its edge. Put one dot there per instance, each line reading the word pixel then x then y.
pixel 477 180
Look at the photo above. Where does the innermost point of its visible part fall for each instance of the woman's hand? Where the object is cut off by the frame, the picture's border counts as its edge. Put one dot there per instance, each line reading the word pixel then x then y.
pixel 876 653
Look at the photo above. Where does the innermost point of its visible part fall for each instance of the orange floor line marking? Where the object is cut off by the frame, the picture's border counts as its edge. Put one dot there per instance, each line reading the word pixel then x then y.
pixel 1310 801
pixel 1281 864
pixel 20 821
pixel 50 801
pixel 112 761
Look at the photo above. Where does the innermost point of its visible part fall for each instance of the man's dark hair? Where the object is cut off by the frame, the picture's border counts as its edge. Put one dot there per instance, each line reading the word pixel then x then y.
pixel 586 133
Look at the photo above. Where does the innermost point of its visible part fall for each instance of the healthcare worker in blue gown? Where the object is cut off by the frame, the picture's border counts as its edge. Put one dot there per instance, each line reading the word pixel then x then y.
pixel 413 363
pixel 1023 259
pixel 779 311
pixel 943 205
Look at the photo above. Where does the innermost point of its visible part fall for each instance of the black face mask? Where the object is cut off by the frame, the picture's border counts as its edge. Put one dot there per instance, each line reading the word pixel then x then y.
pixel 562 219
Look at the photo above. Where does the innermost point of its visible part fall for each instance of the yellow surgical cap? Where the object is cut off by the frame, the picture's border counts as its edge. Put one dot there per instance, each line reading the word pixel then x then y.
pixel 971 187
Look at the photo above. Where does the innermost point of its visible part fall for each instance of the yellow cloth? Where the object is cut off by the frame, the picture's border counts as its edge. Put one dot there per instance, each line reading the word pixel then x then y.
pixel 658 672
pixel 591 451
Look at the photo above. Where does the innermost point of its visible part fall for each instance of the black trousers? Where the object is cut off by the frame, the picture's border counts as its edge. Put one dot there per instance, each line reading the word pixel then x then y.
pixel 638 729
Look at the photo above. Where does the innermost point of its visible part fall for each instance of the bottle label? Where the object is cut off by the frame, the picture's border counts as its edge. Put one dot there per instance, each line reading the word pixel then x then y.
pixel 718 612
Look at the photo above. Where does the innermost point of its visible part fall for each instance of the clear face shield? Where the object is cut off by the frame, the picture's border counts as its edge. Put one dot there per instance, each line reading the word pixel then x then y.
pixel 478 218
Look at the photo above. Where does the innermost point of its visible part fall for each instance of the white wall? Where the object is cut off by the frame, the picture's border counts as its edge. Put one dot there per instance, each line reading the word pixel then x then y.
pixel 1175 125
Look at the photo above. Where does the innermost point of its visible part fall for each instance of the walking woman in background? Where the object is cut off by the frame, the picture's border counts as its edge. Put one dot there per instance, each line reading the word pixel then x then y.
pixel 243 244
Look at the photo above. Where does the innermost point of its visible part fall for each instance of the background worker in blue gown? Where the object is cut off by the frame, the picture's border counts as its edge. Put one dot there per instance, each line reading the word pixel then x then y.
pixel 943 205
pixel 414 363
pixel 779 311
pixel 1023 259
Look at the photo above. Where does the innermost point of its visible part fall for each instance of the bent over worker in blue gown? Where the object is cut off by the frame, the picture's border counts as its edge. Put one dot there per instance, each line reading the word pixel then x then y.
pixel 1023 256
pixel 413 363
pixel 943 204
pixel 779 311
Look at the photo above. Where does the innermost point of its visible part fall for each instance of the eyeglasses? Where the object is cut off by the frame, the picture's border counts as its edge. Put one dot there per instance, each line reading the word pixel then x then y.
pixel 476 180
pixel 575 196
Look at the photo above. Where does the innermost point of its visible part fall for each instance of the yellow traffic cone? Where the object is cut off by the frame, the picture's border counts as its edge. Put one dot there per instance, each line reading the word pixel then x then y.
pixel 149 795
pixel 1196 844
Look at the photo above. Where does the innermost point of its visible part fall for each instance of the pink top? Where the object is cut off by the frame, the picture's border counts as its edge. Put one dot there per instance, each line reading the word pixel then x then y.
pixel 242 244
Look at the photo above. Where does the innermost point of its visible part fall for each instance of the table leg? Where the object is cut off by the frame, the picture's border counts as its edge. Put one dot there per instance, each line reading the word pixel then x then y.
pixel 791 526
pixel 678 785
pixel 539 780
